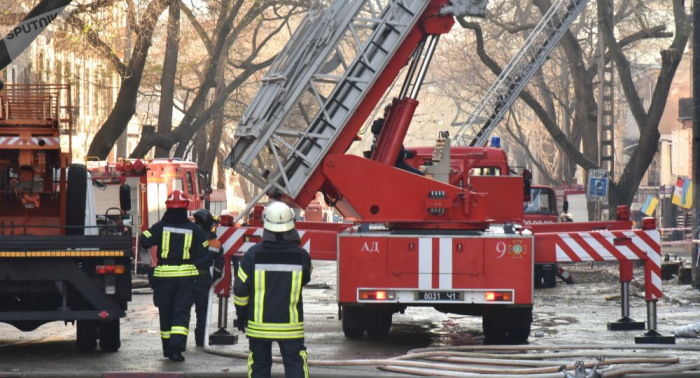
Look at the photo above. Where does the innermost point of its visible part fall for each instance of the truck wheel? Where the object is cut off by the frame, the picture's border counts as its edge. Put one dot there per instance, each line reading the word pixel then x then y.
pixel 381 327
pixel 349 322
pixel 109 336
pixel 86 335
pixel 519 335
pixel 76 193
pixel 519 324
pixel 550 278
pixel 494 332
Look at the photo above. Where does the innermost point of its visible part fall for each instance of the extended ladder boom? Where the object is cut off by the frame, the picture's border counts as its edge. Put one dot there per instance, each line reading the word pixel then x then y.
pixel 507 87
pixel 338 57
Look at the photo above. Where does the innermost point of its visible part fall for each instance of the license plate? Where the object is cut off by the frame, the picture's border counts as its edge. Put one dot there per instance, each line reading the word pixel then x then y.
pixel 438 296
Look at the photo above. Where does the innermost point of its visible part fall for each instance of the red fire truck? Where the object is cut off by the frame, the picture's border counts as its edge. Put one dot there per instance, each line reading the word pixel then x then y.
pixel 454 242
pixel 148 182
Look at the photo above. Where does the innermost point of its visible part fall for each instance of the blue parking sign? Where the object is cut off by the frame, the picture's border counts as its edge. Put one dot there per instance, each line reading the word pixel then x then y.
pixel 598 183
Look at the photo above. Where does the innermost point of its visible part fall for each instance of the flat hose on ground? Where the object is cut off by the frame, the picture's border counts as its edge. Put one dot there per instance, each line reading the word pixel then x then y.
pixel 474 355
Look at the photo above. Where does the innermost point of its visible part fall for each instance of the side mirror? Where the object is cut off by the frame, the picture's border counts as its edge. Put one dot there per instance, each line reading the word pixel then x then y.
pixel 125 197
pixel 566 206
pixel 527 185
pixel 99 185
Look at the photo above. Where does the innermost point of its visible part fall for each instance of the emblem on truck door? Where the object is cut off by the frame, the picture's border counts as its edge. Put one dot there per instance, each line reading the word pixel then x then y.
pixel 517 249
pixel 370 247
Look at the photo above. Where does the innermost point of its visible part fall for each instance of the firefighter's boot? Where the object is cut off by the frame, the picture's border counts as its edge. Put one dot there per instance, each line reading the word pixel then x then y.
pixel 176 354
pixel 166 347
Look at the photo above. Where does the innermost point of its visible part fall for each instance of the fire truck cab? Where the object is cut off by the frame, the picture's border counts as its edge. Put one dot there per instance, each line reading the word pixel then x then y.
pixel 148 183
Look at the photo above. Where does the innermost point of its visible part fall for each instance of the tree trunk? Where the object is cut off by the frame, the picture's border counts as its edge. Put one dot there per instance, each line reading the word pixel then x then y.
pixel 125 106
pixel 217 128
pixel 220 171
pixel 167 79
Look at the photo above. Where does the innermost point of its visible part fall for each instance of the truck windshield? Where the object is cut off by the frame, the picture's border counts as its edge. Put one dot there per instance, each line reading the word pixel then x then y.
pixel 542 202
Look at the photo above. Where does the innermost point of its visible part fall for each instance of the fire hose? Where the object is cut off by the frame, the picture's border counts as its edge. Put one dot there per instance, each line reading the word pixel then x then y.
pixel 472 361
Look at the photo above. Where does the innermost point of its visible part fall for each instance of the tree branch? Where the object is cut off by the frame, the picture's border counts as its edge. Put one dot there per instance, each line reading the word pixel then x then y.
pixel 549 123
pixel 197 27
pixel 623 67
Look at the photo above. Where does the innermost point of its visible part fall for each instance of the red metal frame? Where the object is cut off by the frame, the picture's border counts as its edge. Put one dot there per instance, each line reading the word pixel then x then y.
pixel 32 120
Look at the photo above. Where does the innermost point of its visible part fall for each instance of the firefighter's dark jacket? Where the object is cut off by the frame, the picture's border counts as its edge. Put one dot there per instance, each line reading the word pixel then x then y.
pixel 181 248
pixel 268 286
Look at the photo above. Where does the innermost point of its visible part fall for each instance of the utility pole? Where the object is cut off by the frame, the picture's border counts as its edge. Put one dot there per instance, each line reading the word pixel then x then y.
pixel 696 141
pixel 606 113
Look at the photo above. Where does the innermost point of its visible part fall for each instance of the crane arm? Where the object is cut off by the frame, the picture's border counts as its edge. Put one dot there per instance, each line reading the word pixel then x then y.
pixel 515 77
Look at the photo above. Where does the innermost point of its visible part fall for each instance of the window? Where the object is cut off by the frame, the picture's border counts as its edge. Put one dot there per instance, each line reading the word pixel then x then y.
pixel 541 202
pixel 177 184
pixel 485 171
pixel 190 185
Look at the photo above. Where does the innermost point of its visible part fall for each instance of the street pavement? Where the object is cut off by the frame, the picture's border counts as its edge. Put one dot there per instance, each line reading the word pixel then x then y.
pixel 566 314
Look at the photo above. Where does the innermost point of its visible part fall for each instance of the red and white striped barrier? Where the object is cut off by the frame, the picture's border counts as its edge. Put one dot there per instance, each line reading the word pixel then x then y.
pixel 610 246
pixel 16 141
pixel 675 229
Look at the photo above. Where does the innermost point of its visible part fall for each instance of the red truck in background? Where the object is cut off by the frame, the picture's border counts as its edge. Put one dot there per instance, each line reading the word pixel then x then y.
pixel 148 183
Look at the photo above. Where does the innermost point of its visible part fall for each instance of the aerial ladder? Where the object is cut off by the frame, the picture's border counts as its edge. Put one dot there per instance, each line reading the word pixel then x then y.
pixel 416 241
pixel 492 108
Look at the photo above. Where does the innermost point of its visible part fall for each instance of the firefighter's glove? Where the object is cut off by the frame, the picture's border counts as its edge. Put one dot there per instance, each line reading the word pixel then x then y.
pixel 241 321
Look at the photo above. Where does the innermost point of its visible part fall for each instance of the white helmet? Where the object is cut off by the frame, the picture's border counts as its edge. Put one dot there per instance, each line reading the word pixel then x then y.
pixel 278 217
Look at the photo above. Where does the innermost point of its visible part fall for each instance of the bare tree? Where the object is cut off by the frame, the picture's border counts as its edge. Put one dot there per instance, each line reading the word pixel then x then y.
pixel 578 54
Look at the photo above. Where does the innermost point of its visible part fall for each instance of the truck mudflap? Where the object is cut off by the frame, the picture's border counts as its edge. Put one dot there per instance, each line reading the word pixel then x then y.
pixel 50 278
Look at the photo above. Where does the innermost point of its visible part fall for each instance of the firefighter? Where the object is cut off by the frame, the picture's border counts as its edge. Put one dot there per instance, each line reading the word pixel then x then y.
pixel 566 217
pixel 206 221
pixel 180 244
pixel 404 154
pixel 268 298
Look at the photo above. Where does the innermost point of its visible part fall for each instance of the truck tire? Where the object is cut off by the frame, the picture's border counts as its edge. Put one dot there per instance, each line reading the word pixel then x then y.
pixel 109 336
pixel 520 334
pixel 507 326
pixel 86 335
pixel 381 327
pixel 519 325
pixel 494 331
pixel 349 320
pixel 76 194
pixel 550 278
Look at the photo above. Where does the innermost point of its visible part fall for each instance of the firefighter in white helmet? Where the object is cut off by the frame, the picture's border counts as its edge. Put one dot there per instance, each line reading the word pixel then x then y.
pixel 267 294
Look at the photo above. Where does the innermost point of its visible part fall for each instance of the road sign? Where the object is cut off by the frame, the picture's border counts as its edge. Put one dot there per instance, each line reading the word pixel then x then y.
pixel 598 183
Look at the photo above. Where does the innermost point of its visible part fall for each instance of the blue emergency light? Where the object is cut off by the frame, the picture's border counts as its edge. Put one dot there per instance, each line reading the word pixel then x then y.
pixel 496 142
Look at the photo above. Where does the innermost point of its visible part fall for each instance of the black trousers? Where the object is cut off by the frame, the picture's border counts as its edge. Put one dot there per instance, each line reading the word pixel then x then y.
pixel 201 296
pixel 174 298
pixel 293 356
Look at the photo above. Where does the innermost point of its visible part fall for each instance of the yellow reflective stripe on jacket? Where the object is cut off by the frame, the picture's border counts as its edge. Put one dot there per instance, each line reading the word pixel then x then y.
pixel 240 301
pixel 164 334
pixel 165 245
pixel 299 326
pixel 179 330
pixel 147 234
pixel 184 270
pixel 242 275
pixel 294 297
pixel 274 334
pixel 259 295
pixel 205 244
pixel 188 245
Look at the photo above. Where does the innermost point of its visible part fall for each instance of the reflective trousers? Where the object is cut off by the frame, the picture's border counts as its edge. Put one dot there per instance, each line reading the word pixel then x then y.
pixel 201 296
pixel 174 298
pixel 293 356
